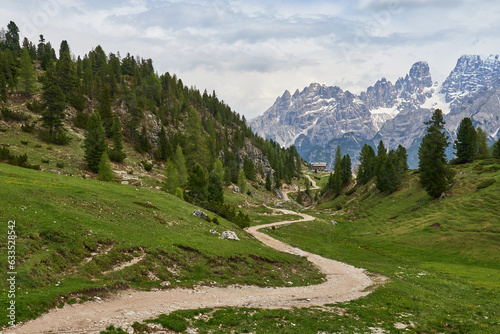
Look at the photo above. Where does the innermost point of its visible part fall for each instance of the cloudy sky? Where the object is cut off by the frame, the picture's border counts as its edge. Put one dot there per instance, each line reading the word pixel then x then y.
pixel 251 51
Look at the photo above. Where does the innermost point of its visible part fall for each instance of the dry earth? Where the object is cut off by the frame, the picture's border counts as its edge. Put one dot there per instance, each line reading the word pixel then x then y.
pixel 343 282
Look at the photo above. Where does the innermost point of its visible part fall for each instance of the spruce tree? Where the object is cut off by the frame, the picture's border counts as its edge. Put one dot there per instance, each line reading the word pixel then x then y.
pixel 466 143
pixel 105 109
pixel 380 168
pixel 163 145
pixel 3 87
pixel 95 142
pixel 435 174
pixel 249 168
pixel 26 74
pixel 367 160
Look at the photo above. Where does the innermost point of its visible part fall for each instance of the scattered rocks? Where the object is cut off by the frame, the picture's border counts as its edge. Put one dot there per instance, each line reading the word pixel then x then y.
pixel 164 284
pixel 214 232
pixel 236 190
pixel 334 222
pixel 200 214
pixel 230 235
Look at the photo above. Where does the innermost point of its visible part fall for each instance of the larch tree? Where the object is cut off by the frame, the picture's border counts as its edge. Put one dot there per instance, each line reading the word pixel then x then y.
pixel 26 74
pixel 483 150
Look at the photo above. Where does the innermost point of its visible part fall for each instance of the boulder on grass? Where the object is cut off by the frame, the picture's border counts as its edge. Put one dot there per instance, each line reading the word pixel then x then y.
pixel 200 214
pixel 230 235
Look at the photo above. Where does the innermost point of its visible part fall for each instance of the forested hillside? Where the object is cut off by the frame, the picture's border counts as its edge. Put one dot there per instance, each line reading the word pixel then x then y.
pixel 122 107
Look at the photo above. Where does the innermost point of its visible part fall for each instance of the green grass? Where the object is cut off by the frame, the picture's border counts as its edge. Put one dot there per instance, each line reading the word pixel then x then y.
pixel 443 279
pixel 61 221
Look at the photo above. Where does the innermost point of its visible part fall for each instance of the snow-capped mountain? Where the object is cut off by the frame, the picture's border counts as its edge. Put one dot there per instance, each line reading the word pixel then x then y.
pixel 319 118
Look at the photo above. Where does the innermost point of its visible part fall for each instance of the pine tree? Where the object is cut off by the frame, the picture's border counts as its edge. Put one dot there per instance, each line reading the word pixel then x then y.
pixel 117 154
pixel 12 41
pixel 249 168
pixel 380 170
pixel 367 160
pixel 466 143
pixel 483 151
pixel 95 142
pixel 214 188
pixel 105 171
pixel 242 181
pixel 435 174
pixel 180 165
pixel 26 74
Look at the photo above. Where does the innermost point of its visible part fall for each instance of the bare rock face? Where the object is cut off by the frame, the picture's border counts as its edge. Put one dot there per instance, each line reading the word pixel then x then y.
pixel 319 118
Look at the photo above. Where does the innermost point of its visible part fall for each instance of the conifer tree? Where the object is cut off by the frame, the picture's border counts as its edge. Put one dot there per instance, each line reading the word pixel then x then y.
pixel 105 109
pixel 214 188
pixel 496 149
pixel 367 164
pixel 268 182
pixel 12 41
pixel 435 174
pixel 54 103
pixel 95 142
pixel 172 181
pixel 242 181
pixel 26 74
pixel 380 167
pixel 336 178
pixel 466 143
pixel 105 171
pixel 249 168
pixel 219 168
pixel 483 150
pixel 117 154
pixel 180 165
pixel 3 87
pixel 346 169
pixel 163 144
pixel 197 183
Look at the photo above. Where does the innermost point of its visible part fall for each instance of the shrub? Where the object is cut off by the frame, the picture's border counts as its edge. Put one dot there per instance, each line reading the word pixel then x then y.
pixel 80 120
pixel 34 106
pixel 216 221
pixel 11 115
pixel 58 138
pixel 27 127
pixel 173 322
pixel 117 156
pixel 24 142
pixel 148 166
pixel 485 183
pixel 45 161
pixel 60 165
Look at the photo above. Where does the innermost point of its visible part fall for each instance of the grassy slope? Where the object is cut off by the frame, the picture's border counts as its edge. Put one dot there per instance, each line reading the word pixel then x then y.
pixel 441 280
pixel 61 220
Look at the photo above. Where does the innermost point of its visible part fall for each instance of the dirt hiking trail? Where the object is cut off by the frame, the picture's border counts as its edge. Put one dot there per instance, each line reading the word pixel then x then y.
pixel 343 283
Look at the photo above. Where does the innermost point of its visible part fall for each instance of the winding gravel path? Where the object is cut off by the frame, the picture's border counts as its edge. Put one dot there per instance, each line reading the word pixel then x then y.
pixel 343 283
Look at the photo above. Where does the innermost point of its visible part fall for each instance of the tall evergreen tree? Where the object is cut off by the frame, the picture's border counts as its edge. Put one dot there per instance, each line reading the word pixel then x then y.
pixel 117 154
pixel 12 40
pixel 466 143
pixel 105 109
pixel 163 145
pixel 483 150
pixel 54 104
pixel 249 168
pixel 367 160
pixel 95 142
pixel 214 188
pixel 336 183
pixel 435 174
pixel 496 149
pixel 346 169
pixel 3 87
pixel 26 74
pixel 197 183
pixel 105 172
pixel 380 168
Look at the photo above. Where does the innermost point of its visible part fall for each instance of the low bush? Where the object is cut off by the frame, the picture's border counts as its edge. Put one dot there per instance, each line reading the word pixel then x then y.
pixel 28 127
pixel 34 106
pixel 485 183
pixel 11 115
pixel 148 166
pixel 58 138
